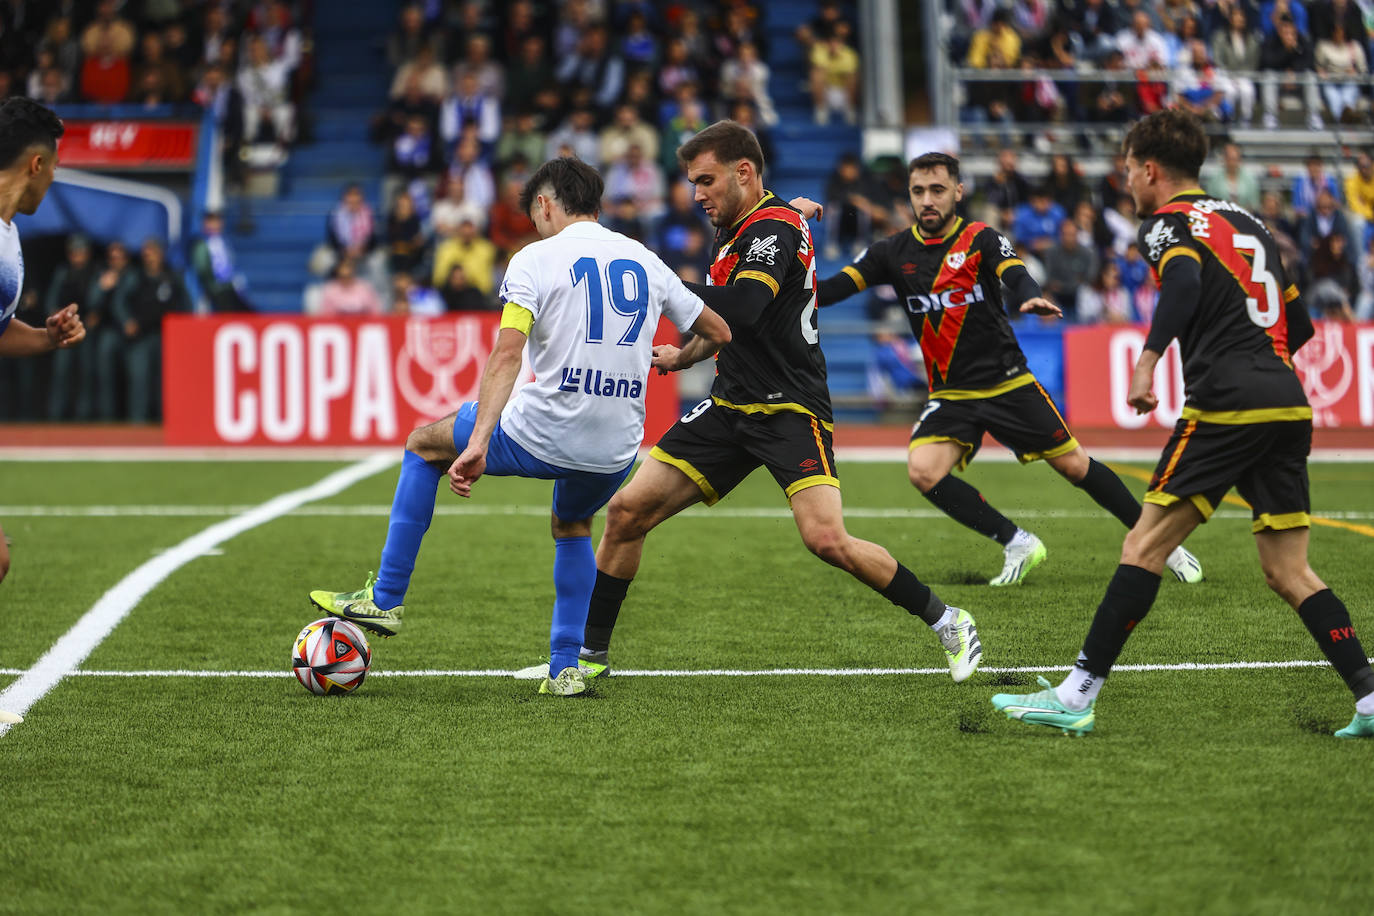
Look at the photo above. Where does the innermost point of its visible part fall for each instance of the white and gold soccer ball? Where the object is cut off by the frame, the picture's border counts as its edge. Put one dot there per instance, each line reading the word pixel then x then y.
pixel 331 656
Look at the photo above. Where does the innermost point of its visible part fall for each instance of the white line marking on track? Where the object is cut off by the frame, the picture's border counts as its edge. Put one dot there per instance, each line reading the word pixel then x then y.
pixel 76 645
pixel 712 672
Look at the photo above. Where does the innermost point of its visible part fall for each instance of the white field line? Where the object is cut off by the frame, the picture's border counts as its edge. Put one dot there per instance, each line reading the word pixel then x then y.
pixel 542 511
pixel 711 672
pixel 67 654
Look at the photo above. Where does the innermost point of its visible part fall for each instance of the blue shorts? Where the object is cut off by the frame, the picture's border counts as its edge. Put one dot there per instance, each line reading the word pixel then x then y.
pixel 577 495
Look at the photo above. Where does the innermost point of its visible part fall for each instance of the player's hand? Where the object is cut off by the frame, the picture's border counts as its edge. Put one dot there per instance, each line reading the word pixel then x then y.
pixel 465 470
pixel 1041 306
pixel 64 327
pixel 1141 396
pixel 808 207
pixel 666 359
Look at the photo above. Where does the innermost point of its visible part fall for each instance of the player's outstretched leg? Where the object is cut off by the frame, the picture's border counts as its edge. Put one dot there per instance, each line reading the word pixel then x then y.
pixel 819 515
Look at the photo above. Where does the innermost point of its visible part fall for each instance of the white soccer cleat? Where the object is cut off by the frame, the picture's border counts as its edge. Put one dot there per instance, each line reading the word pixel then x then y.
pixel 962 646
pixel 10 718
pixel 1024 553
pixel 569 683
pixel 1184 566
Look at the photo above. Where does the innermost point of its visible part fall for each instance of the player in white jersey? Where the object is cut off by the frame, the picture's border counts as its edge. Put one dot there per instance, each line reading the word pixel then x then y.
pixel 28 157
pixel 587 301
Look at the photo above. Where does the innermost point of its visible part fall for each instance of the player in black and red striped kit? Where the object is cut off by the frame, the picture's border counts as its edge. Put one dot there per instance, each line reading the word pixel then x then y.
pixel 769 406
pixel 1246 421
pixel 948 274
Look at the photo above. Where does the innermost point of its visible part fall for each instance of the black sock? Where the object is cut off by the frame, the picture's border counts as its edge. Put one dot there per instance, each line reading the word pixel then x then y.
pixel 1329 623
pixel 910 593
pixel 962 502
pixel 607 596
pixel 1110 493
pixel 1128 599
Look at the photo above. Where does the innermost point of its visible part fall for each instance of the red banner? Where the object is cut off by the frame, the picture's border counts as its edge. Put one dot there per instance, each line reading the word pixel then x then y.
pixel 129 144
pixel 1336 367
pixel 259 380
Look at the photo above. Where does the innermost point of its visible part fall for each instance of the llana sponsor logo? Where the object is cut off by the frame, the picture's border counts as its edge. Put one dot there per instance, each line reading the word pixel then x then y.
pixel 593 382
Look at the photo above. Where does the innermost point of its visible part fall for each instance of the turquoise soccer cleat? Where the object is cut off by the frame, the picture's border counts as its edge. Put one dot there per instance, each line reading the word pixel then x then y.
pixel 1044 708
pixel 1359 727
pixel 360 608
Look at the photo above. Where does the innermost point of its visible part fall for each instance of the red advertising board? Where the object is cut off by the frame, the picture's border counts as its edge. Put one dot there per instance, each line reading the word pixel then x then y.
pixel 290 380
pixel 129 144
pixel 1336 367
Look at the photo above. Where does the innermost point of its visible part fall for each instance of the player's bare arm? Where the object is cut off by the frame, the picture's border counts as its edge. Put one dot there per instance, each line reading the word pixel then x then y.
pixel 498 380
pixel 808 207
pixel 1039 305
pixel 62 330
pixel 712 332
pixel 1141 395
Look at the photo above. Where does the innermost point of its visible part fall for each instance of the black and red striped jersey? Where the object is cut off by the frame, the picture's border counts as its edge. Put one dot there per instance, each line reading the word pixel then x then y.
pixel 952 291
pixel 1236 362
pixel 776 364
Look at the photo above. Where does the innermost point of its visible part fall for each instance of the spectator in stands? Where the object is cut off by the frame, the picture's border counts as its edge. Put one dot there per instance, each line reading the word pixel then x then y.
pixel 1325 220
pixel 65 50
pixel 575 137
pixel 510 228
pixel 477 60
pixel 345 293
pixel 1283 229
pixel 212 261
pixel 265 87
pixel 479 185
pixel 411 298
pixel 521 139
pixel 410 36
pixel 1232 178
pixel 73 382
pixel 998 35
pixel 154 292
pixel 453 208
pixel 1121 223
pixel 638 44
pixel 1035 223
pixel 744 76
pixel 423 70
pixel 852 202
pixel 594 67
pixel 405 237
pixel 1236 50
pixel 622 215
pixel 1135 275
pixel 1340 56
pixel 669 236
pixel 281 34
pixel 1364 302
pixel 1143 50
pixel 414 158
pixel 217 37
pixel 677 68
pixel 1065 183
pixel 216 94
pixel 350 230
pixel 625 131
pixel 1314 179
pixel 741 26
pixel 1178 40
pixel 575 19
pixel 1007 189
pixel 687 121
pixel 1273 13
pixel 1288 65
pixel 895 372
pixel 1107 102
pixel 460 296
pixel 154 61
pixel 1097 21
pixel 106 44
pixel 523 19
pixel 830 15
pixel 476 255
pixel 1335 280
pixel 529 72
pixel 1105 299
pixel 412 102
pixel 49 86
pixel 1069 266
pixel 636 176
pixel 745 114
pixel 1359 199
pixel 470 106
pixel 835 80
pixel 1093 231
pixel 1112 185
pixel 109 282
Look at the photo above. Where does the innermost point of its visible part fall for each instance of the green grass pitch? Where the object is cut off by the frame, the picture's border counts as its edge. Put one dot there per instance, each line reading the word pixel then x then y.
pixel 1213 791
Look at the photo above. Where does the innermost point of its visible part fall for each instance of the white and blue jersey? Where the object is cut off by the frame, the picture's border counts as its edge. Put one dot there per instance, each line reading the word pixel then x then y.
pixel 596 297
pixel 11 272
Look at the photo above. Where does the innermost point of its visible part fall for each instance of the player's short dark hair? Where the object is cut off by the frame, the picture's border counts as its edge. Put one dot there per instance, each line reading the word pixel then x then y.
pixel 935 160
pixel 575 185
pixel 730 141
pixel 25 123
pixel 1173 138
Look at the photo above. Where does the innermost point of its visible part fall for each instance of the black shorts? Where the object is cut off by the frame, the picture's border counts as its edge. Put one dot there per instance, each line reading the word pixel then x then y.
pixel 1023 419
pixel 1265 462
pixel 717 447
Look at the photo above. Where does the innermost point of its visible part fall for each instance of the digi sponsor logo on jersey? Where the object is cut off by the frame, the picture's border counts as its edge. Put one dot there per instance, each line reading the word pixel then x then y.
pixel 921 303
pixel 594 382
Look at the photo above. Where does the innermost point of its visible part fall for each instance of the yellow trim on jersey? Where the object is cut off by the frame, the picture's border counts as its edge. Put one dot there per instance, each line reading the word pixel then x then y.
pixel 1009 262
pixel 518 317
pixel 1177 250
pixel 708 491
pixel 916 231
pixel 1290 294
pixel 1055 452
pixel 852 273
pixel 760 276
pixel 964 459
pixel 1243 417
pixel 773 408
pixel 1160 498
pixel 1182 193
pixel 974 394
pixel 766 195
pixel 806 483
pixel 1281 522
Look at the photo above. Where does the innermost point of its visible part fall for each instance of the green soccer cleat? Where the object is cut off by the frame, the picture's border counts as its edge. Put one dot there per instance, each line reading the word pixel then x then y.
pixel 594 664
pixel 569 683
pixel 1019 557
pixel 1359 727
pixel 1184 566
pixel 1044 708
pixel 962 646
pixel 359 608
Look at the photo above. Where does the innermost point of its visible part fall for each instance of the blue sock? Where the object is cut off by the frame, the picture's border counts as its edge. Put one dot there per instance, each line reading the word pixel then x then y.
pixel 412 509
pixel 574 574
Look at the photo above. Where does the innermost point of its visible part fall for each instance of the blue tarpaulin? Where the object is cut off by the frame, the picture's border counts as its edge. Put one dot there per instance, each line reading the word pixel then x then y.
pixel 107 209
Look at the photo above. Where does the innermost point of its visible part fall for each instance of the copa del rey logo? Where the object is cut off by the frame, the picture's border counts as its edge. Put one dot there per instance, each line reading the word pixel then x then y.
pixel 1327 370
pixel 440 364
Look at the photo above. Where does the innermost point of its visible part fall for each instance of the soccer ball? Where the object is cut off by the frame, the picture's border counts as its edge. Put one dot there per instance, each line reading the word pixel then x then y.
pixel 331 656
